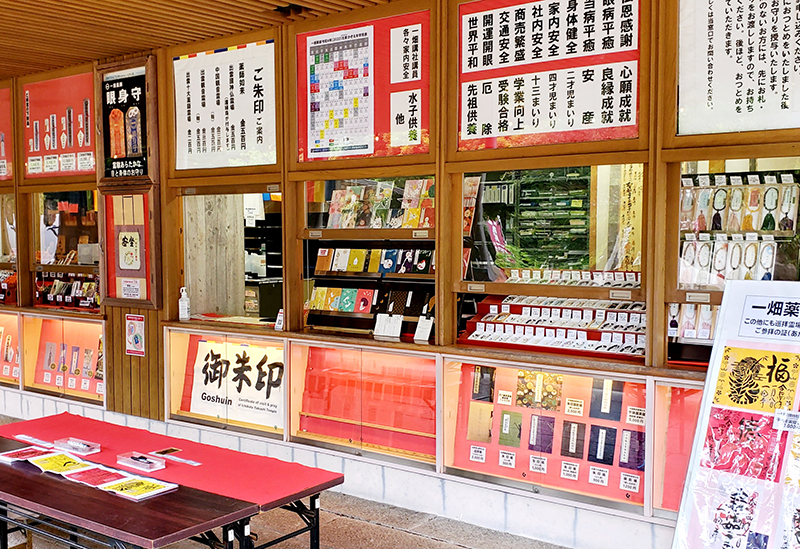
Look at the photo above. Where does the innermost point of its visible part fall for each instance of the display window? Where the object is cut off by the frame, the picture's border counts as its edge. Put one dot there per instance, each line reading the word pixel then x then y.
pixel 589 327
pixel 9 359
pixel 735 219
pixel 562 433
pixel 8 250
pixel 233 259
pixel 64 356
pixel 579 226
pixel 370 257
pixel 227 379
pixel 364 399
pixel 128 246
pixel 676 411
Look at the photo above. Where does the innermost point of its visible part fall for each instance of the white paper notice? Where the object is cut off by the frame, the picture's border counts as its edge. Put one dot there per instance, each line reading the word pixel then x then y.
pixel 505 398
pixel 573 407
pixel 405 117
pixel 340 109
pixel 538 464
pixel 131 288
pixel 406 53
pixel 635 416
pixel 225 107
pixel 507 459
pixel 569 470
pixel 598 475
pixel 742 75
pixel 628 482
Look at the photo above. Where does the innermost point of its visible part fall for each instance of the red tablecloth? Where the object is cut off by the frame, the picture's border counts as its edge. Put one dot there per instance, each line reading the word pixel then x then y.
pixel 265 481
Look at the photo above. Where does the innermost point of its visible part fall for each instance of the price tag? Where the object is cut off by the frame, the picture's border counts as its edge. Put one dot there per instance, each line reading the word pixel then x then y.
pixel 536 312
pixel 519 330
pixel 422 233
pixel 536 276
pixel 586 276
pixel 768 237
pixel 611 316
pixel 641 340
pixel 576 275
pixel 704 237
pixel 770 180
pixel 687 182
pixel 490 328
pixel 561 333
pixel 622 318
pixel 588 315
pixel 617 338
pixel 736 180
pixel 691 237
pixel 721 237
pixel 703 180
pixel 505 308
pixel 636 319
pixel 555 313
pixel 540 332
pixel 545 312
pixel 597 277
pixel 630 339
pixel 787 178
pixel 514 273
pixel 753 179
pixel 566 276
pixel 600 315
pixel 737 237
pixel 493 309
pixel 59 298
pixel 619 276
pixel 581 335
pixel 526 311
pixel 605 337
pixel 528 331
pixel 68 299
pixel 509 329
pixel 526 274
pixel 480 327
pixel 572 334
pixel 424 327
pixel 719 180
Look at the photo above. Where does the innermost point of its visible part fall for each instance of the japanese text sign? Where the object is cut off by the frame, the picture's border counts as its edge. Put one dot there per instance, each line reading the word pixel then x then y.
pixel 550 71
pixel 125 123
pixel 225 107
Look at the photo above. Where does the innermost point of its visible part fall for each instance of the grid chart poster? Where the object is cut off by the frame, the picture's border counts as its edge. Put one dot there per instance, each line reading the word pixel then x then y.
pixel 549 71
pixel 739 66
pixel 235 381
pixel 743 484
pixel 125 123
pixel 59 126
pixel 6 145
pixel 225 107
pixel 364 89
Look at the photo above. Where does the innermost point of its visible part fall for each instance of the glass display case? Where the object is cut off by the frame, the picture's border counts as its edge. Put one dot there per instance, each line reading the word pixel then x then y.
pixel 567 226
pixel 370 257
pixel 553 431
pixel 66 250
pixel 9 352
pixel 64 357
pixel 8 250
pixel 736 219
pixel 233 256
pixel 227 379
pixel 364 399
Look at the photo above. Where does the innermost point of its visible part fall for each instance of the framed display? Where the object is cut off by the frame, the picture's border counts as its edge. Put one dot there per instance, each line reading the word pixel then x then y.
pixel 6 133
pixel 131 267
pixel 58 125
pixel 363 87
pixel 127 110
pixel 548 72
pixel 224 108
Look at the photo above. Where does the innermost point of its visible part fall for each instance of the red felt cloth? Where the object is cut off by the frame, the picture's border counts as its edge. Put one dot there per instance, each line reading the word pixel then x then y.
pixel 256 479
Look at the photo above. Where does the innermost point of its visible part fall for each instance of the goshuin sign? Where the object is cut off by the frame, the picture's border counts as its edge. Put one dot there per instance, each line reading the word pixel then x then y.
pixel 125 123
pixel 549 71
pixel 235 381
pixel 743 485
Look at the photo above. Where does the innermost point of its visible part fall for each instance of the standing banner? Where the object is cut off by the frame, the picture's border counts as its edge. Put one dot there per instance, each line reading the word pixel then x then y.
pixel 225 107
pixel 60 126
pixel 6 145
pixel 743 485
pixel 363 90
pixel 549 71
pixel 739 66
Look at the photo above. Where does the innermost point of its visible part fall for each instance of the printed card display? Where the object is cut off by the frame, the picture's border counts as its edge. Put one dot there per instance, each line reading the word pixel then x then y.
pixel 601 444
pixel 527 74
pixel 363 89
pixel 542 432
pixel 124 102
pixel 606 399
pixel 59 126
pixel 573 436
pixel 510 428
pixel 225 107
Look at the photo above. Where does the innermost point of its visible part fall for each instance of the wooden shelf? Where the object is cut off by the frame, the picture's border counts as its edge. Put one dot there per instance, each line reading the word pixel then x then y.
pixel 377 276
pixel 72 268
pixel 426 234
pixel 547 290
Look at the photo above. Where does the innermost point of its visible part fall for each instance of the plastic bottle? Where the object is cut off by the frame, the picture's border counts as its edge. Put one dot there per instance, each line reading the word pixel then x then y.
pixel 183 305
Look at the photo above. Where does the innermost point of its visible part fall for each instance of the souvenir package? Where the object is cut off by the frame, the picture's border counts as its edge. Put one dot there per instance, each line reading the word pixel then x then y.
pixel 702 209
pixel 705 321
pixel 673 318
pixel 770 208
pixel 703 263
pixel 736 198
pixel 688 270
pixel 766 260
pixel 719 206
pixel 719 264
pixel 750 260
pixel 788 208
pixel 688 321
pixel 734 269
pixel 687 208
pixel 752 208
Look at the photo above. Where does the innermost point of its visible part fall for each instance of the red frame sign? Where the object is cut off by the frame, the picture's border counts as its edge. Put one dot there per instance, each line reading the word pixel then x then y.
pixel 6 141
pixel 545 57
pixel 128 220
pixel 392 76
pixel 59 126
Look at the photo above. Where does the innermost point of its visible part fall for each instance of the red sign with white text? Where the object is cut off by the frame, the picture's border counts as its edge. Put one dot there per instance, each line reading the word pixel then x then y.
pixel 59 127
pixel 364 89
pixel 6 144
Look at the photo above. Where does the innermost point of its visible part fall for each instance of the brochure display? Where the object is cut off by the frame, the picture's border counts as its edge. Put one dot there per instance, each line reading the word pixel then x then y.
pixel 742 486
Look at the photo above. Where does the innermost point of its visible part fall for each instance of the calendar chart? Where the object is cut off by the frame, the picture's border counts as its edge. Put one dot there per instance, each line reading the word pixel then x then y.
pixel 340 105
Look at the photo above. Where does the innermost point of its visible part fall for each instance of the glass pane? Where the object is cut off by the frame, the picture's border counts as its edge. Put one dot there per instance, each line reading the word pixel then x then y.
pixel 226 379
pixel 676 415
pixel 576 226
pixel 9 339
pixel 372 401
pixel 561 433
pixel 67 229
pixel 64 357
pixel 8 231
pixel 233 260
pixel 738 222
pixel 381 203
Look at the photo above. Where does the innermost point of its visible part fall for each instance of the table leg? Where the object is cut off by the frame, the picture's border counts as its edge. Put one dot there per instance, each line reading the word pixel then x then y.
pixel 227 536
pixel 314 533
pixel 3 528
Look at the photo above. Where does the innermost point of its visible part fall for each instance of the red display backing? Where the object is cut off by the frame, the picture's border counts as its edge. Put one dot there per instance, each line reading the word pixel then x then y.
pixel 9 347
pixel 550 138
pixel 574 387
pixel 265 481
pixel 374 398
pixel 57 334
pixel 6 143
pixel 111 246
pixel 53 99
pixel 382 86
pixel 683 414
